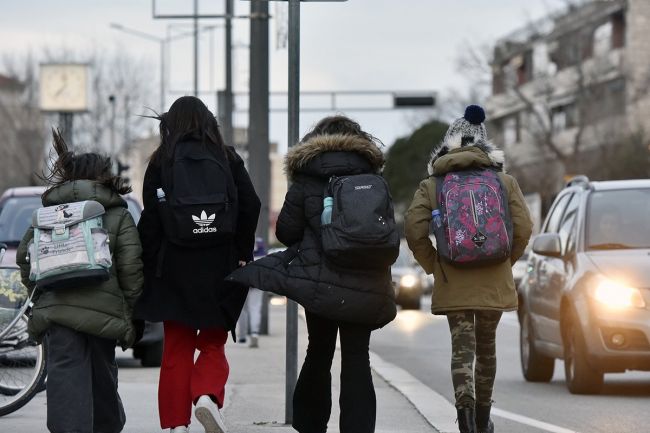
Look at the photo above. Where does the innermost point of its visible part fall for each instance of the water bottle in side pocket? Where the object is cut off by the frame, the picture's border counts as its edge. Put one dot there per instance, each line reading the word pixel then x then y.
pixel 326 216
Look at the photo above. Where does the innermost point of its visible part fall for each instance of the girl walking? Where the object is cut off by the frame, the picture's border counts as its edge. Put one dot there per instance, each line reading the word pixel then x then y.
pixel 472 297
pixel 338 300
pixel 84 323
pixel 198 225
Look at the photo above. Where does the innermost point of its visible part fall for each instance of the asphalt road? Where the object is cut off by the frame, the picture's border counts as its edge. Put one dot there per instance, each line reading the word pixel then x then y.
pixel 419 343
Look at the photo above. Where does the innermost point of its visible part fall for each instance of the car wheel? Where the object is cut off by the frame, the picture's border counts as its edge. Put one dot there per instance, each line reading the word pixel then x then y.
pixel 581 377
pixel 150 355
pixel 534 366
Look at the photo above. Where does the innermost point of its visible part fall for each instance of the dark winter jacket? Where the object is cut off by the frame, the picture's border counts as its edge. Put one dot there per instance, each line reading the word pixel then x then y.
pixel 482 288
pixel 301 272
pixel 187 284
pixel 104 310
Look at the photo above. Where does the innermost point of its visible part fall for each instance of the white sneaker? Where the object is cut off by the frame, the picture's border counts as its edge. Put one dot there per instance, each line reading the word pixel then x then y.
pixel 209 416
pixel 254 341
pixel 180 429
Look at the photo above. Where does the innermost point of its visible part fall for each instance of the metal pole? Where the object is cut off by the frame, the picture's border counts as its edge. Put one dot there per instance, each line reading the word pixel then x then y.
pixel 227 116
pixel 294 130
pixel 65 122
pixel 196 48
pixel 162 75
pixel 111 99
pixel 259 163
pixel 127 137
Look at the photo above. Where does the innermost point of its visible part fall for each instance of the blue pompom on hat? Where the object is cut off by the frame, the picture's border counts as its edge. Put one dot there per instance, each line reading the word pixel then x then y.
pixel 474 114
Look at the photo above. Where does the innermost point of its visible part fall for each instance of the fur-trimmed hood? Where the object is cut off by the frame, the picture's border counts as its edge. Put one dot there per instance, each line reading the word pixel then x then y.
pixel 299 157
pixel 495 155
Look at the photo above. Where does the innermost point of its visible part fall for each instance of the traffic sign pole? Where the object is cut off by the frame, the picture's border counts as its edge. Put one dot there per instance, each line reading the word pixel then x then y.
pixel 294 131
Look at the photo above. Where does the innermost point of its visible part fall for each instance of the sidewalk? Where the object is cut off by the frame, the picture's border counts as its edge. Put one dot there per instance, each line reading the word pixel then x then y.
pixel 254 397
pixel 257 381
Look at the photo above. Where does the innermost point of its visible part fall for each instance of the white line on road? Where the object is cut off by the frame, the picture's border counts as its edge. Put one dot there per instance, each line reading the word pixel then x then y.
pixel 435 408
pixel 510 318
pixel 530 421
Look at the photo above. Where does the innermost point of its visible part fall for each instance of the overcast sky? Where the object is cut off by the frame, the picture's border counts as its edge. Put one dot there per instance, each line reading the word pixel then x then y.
pixel 355 45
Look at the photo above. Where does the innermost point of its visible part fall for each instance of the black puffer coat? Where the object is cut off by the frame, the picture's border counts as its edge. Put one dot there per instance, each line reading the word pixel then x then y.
pixel 190 287
pixel 301 272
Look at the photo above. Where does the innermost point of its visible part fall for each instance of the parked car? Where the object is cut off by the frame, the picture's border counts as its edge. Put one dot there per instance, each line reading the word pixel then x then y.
pixel 16 208
pixel 409 280
pixel 586 297
pixel 520 269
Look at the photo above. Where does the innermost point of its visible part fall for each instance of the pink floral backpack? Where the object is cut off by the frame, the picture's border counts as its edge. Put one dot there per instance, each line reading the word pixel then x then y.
pixel 472 224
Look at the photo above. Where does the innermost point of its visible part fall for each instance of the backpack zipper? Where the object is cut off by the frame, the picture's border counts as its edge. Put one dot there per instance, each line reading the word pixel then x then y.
pixel 473 201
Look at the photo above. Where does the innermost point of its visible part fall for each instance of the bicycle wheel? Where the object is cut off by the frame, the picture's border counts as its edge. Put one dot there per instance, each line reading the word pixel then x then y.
pixel 22 368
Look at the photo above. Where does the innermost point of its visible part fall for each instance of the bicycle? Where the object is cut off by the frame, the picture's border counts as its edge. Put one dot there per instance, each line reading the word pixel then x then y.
pixel 22 360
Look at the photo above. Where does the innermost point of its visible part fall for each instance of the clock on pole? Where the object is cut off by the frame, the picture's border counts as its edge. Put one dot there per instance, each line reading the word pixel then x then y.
pixel 64 90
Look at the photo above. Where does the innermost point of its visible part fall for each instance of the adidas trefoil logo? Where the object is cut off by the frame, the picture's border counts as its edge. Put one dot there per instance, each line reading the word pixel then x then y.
pixel 204 222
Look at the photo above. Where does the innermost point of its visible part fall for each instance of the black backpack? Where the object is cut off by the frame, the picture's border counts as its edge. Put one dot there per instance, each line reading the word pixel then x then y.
pixel 362 232
pixel 200 204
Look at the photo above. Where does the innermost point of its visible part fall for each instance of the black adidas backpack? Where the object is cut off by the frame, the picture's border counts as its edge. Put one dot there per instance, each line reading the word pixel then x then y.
pixel 362 232
pixel 200 204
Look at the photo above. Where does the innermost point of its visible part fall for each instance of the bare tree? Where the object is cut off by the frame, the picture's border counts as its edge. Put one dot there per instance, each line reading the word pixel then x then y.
pixel 121 90
pixel 21 124
pixel 115 73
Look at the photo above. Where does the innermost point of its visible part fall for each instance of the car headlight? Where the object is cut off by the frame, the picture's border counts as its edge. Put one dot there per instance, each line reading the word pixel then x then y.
pixel 618 295
pixel 408 281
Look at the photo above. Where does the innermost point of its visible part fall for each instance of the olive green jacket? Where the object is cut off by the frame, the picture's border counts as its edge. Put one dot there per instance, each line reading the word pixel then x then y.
pixel 482 288
pixel 104 310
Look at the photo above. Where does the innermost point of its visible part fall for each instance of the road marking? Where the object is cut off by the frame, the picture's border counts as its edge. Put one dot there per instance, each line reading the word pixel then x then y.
pixel 435 408
pixel 510 318
pixel 530 421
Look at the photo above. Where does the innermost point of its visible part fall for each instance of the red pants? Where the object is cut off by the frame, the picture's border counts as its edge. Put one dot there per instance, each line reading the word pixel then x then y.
pixel 183 381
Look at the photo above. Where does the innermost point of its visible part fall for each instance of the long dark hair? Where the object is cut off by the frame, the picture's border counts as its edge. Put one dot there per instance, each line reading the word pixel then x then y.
pixel 66 166
pixel 341 125
pixel 187 118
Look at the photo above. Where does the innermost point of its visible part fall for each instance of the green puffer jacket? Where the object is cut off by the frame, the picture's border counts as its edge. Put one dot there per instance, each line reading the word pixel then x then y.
pixel 104 310
pixel 482 288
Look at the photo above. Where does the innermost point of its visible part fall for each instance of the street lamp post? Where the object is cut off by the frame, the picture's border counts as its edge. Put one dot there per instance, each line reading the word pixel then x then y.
pixel 163 45
pixel 294 132
pixel 159 40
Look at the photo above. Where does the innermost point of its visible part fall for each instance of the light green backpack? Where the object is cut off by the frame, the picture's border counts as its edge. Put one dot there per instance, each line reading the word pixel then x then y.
pixel 70 246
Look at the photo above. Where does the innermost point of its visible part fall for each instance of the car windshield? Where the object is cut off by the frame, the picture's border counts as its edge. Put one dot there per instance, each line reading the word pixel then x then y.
pixel 16 218
pixel 619 219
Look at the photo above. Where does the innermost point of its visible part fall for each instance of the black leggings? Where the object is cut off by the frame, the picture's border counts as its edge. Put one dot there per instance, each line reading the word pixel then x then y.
pixel 473 338
pixel 312 399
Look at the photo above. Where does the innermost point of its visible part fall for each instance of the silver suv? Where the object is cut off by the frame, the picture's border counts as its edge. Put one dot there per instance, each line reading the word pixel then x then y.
pixel 586 295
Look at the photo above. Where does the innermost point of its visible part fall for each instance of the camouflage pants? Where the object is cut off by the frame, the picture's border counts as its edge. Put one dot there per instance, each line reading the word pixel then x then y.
pixel 473 360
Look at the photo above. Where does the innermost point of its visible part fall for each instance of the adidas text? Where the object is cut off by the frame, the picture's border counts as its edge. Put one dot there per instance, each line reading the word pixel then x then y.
pixel 363 187
pixel 205 230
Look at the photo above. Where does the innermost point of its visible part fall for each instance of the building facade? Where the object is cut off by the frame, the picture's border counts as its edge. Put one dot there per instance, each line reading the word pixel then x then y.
pixel 571 95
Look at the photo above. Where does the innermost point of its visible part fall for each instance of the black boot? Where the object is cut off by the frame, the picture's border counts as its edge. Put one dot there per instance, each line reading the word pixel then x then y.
pixel 466 419
pixel 483 422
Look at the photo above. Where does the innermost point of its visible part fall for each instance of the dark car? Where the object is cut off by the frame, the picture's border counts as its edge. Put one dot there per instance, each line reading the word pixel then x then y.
pixel 16 208
pixel 586 297
pixel 409 280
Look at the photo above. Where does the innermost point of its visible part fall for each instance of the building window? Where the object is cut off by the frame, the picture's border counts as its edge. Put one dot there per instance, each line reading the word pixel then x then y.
pixel 523 66
pixel 498 80
pixel 610 100
pixel 572 49
pixel 603 39
pixel 564 117
pixel 511 130
pixel 618 30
